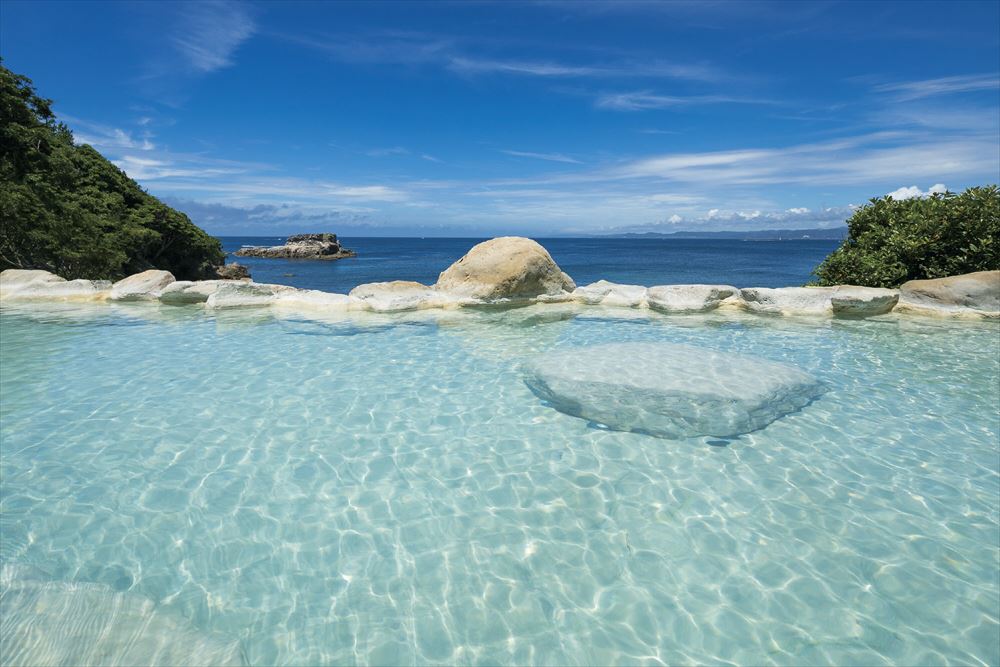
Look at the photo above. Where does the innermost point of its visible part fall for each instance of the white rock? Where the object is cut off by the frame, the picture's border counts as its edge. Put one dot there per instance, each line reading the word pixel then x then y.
pixel 28 285
pixel 688 298
pixel 509 267
pixel 309 300
pixel 54 623
pixel 971 294
pixel 398 295
pixel 854 301
pixel 239 294
pixel 789 300
pixel 606 293
pixel 14 280
pixel 144 286
pixel 668 390
pixel 188 291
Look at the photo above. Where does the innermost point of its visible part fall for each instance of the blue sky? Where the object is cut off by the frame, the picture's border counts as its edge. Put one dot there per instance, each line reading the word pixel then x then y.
pixel 540 118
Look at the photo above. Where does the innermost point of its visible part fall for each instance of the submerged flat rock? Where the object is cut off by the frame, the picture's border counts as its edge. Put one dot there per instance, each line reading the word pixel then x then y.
pixel 55 623
pixel 670 390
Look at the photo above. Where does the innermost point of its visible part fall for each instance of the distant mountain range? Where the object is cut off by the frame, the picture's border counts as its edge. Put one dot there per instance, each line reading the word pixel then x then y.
pixel 828 234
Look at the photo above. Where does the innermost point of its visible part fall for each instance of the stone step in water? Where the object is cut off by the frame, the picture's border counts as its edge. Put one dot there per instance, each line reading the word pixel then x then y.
pixel 669 390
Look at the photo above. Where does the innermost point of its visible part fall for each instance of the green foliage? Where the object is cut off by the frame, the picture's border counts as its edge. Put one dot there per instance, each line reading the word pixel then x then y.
pixel 66 209
pixel 890 242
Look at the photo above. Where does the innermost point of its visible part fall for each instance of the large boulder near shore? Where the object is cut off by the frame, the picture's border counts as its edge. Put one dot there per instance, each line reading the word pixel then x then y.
pixel 144 286
pixel 232 271
pixel 976 294
pixel 788 300
pixel 509 267
pixel 237 294
pixel 668 390
pixel 301 246
pixel 854 301
pixel 606 293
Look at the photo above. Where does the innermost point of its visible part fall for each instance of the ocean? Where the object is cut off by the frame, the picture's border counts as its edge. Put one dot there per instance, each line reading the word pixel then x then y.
pixel 629 261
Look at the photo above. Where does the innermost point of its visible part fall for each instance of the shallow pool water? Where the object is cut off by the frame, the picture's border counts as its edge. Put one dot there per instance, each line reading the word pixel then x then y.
pixel 388 490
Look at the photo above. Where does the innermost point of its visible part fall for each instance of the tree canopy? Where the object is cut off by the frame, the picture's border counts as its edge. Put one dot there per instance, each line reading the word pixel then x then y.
pixel 891 241
pixel 66 209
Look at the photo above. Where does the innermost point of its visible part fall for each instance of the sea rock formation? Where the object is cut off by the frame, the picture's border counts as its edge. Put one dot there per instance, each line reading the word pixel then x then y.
pixel 509 267
pixel 400 295
pixel 968 294
pixel 232 271
pixel 606 293
pixel 301 246
pixel 668 390
pixel 145 286
pixel 688 298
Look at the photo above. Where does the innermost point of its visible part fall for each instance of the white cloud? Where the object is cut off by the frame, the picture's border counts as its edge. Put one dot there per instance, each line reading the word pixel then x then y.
pixel 467 64
pixel 210 33
pixel 913 191
pixel 912 90
pixel 644 100
pixel 550 157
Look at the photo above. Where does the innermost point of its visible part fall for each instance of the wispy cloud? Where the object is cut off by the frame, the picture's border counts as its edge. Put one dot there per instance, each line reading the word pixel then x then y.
pixel 913 90
pixel 385 152
pixel 550 157
pixel 644 100
pixel 210 32
pixel 693 72
pixel 107 138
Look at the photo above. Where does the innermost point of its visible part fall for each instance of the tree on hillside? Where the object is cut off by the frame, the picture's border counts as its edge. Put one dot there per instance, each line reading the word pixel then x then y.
pixel 891 241
pixel 66 209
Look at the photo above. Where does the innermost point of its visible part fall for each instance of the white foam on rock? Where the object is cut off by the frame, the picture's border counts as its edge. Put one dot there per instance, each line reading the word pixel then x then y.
pixel 669 390
pixel 56 623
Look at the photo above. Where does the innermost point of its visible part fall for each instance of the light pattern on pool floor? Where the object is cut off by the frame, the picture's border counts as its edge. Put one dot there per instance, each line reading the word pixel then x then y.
pixel 387 490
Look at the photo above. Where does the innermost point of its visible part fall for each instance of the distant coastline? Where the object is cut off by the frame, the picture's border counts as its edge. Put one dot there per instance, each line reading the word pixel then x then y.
pixel 822 234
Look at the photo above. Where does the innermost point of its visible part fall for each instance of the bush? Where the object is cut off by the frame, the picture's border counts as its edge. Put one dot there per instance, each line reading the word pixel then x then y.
pixel 66 209
pixel 890 242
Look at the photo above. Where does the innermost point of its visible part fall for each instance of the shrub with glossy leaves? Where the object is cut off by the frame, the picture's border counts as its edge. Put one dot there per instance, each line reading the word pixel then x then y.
pixel 891 241
pixel 66 209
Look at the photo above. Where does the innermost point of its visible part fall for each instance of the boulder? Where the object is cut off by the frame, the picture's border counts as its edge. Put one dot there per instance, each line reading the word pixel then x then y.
pixel 301 299
pixel 143 286
pixel 31 284
pixel 976 294
pixel 509 267
pixel 232 271
pixel 15 280
pixel 188 291
pixel 400 295
pixel 606 293
pixel 301 246
pixel 688 298
pixel 789 300
pixel 670 391
pixel 854 301
pixel 238 294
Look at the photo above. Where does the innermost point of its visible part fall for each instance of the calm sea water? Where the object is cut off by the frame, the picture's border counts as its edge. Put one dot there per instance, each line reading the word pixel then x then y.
pixel 250 487
pixel 630 261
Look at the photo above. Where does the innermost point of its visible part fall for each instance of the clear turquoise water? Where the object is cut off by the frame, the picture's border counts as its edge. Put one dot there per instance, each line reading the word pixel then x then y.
pixel 386 490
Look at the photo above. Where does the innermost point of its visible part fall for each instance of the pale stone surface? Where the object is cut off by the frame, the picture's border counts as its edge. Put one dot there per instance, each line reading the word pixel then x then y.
pixel 310 300
pixel 509 267
pixel 668 390
pixel 300 246
pixel 14 280
pixel 399 295
pixel 789 300
pixel 606 293
pixel 238 294
pixel 56 623
pixel 854 301
pixel 975 294
pixel 144 286
pixel 688 298
pixel 187 291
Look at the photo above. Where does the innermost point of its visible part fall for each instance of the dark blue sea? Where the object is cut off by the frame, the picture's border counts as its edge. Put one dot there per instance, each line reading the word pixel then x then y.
pixel 633 261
